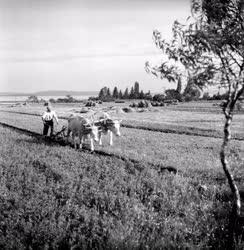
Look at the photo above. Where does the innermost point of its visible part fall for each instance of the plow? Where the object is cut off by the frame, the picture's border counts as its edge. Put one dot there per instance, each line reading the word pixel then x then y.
pixel 60 134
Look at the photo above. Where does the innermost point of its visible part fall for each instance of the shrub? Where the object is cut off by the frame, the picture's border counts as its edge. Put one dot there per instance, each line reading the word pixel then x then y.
pixel 90 104
pixel 127 110
pixel 240 106
pixel 119 101
pixel 67 99
pixel 93 98
pixel 52 100
pixel 159 97
pixel 33 99
pixel 206 96
pixel 84 110
pixel 133 105
pixel 141 104
pixel 173 94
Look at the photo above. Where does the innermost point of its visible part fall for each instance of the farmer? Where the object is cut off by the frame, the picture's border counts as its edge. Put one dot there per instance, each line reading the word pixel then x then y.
pixel 48 118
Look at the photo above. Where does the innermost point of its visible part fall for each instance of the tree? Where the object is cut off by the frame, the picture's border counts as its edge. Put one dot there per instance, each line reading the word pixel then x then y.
pixel 136 90
pixel 131 96
pixel 126 94
pixel 148 96
pixel 222 36
pixel 69 98
pixel 209 50
pixel 120 94
pixel 33 98
pixel 179 85
pixel 108 93
pixel 173 94
pixel 191 92
pixel 52 100
pixel 103 93
pixel 141 95
pixel 159 97
pixel 115 93
pixel 206 96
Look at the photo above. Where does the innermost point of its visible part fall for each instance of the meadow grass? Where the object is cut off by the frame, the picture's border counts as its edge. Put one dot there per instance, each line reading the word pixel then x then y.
pixel 195 117
pixel 56 197
pixel 184 152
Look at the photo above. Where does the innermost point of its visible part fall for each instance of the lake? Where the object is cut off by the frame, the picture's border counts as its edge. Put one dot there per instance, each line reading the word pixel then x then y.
pixel 13 98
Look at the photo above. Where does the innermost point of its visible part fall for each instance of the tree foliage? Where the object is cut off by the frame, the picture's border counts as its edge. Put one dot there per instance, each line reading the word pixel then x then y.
pixel 120 94
pixel 132 92
pixel 135 93
pixel 136 90
pixel 32 98
pixel 108 93
pixel 115 93
pixel 221 35
pixel 126 94
pixel 172 94
pixel 103 93
pixel 209 50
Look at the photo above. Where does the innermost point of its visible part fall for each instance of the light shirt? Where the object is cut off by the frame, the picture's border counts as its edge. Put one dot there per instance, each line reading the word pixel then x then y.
pixel 48 116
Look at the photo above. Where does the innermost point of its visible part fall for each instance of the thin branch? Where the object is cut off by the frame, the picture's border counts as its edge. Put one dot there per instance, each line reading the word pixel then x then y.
pixel 233 58
pixel 228 66
pixel 227 77
pixel 239 52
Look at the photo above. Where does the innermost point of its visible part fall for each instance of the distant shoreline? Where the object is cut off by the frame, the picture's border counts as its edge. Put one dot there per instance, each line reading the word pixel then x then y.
pixel 51 93
pixel 9 99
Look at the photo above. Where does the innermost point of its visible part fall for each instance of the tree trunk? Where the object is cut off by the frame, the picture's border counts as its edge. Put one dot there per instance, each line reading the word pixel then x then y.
pixel 237 199
pixel 179 86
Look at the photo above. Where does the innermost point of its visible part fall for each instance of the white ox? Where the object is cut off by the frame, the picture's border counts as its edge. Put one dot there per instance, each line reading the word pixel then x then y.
pixel 107 125
pixel 82 129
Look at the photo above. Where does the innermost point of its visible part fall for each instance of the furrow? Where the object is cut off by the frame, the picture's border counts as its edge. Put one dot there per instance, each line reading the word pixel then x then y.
pixel 137 164
pixel 202 132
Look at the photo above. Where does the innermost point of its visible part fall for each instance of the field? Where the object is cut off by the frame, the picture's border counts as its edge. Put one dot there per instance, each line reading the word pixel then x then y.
pixel 53 196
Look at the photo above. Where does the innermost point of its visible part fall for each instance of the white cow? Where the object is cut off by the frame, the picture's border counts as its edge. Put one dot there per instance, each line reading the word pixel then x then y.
pixel 82 129
pixel 107 125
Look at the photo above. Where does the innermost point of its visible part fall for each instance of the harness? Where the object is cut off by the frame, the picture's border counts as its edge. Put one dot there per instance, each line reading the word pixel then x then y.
pixel 105 125
pixel 87 131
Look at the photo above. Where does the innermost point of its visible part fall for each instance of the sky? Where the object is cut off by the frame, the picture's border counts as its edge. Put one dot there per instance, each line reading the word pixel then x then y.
pixel 83 45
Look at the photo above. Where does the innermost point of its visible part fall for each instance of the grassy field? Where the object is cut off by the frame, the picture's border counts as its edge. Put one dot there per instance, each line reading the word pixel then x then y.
pixel 180 151
pixel 53 196
pixel 56 197
pixel 198 117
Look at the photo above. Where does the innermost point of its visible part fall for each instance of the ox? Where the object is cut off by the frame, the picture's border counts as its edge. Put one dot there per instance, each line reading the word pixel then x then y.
pixel 107 125
pixel 82 129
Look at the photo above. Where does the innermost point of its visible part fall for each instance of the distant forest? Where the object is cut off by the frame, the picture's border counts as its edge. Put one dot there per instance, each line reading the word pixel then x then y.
pixel 189 94
pixel 105 94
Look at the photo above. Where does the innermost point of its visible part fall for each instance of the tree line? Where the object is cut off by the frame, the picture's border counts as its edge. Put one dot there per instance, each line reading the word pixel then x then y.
pixel 105 94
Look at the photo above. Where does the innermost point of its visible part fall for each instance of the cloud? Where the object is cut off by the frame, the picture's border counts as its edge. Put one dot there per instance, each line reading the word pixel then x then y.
pixel 68 42
pixel 58 58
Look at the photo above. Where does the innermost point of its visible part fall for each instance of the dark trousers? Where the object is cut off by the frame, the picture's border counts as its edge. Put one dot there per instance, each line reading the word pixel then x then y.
pixel 47 125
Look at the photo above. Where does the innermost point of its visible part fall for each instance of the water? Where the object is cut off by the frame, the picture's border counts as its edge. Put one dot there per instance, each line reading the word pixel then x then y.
pixel 13 99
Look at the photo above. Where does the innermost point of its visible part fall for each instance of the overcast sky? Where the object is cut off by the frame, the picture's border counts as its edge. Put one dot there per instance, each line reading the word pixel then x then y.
pixel 82 45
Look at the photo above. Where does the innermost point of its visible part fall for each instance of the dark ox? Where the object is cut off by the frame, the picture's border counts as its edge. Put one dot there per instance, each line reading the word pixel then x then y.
pixel 107 125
